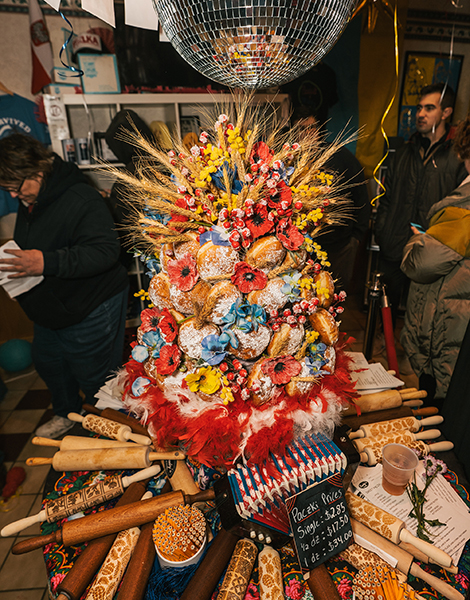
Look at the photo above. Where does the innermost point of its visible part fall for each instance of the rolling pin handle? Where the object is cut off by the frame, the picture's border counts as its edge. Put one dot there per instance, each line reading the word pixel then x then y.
pixel 440 586
pixel 204 496
pixel 137 438
pixel 438 556
pixel 75 417
pixel 140 475
pixel 36 461
pixel 22 524
pixel 440 446
pixel 435 420
pixel 36 542
pixel 413 403
pixel 428 434
pixel 42 441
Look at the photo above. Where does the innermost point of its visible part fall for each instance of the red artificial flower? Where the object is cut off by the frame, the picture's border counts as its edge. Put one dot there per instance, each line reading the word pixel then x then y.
pixel 260 151
pixel 258 223
pixel 150 318
pixel 288 234
pixel 247 278
pixel 169 360
pixel 284 194
pixel 183 272
pixel 181 203
pixel 281 369
pixel 168 325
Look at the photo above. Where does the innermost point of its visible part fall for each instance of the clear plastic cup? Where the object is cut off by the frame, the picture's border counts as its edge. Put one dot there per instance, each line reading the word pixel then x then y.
pixel 398 466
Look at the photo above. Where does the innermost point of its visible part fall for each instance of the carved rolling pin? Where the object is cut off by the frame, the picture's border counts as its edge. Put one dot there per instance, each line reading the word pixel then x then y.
pixel 404 424
pixel 70 504
pixel 101 459
pixel 386 399
pixel 110 521
pixel 405 561
pixel 392 528
pixel 88 562
pixel 115 415
pixel 401 437
pixel 373 454
pixel 78 442
pixel 110 429
pixel 355 421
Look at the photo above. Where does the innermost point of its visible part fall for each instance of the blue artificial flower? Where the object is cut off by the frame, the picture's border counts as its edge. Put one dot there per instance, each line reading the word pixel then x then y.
pixel 140 353
pixel 217 235
pixel 154 341
pixel 246 317
pixel 316 360
pixel 213 350
pixel 139 385
pixel 291 285
pixel 219 181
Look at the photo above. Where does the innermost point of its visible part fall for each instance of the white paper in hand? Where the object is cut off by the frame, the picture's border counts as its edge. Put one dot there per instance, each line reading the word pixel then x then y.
pixel 15 287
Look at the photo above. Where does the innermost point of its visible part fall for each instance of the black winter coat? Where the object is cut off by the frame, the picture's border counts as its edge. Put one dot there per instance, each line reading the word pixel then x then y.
pixel 73 228
pixel 412 187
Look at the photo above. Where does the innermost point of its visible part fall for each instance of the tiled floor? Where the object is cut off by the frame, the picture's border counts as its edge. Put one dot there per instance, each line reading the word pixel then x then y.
pixel 26 406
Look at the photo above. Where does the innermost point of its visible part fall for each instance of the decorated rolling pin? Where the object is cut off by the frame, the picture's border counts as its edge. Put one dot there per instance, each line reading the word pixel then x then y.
pixel 88 562
pixel 78 442
pixel 271 581
pixel 110 574
pixel 383 400
pixel 364 535
pixel 115 415
pixel 404 424
pixel 237 577
pixel 355 421
pixel 373 454
pixel 70 504
pixel 101 459
pixel 391 527
pixel 110 429
pixel 113 520
pixel 209 571
pixel 400 437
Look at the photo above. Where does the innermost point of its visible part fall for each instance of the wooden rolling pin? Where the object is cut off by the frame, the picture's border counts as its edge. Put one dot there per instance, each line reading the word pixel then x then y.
pixel 404 424
pixel 355 421
pixel 209 572
pixel 392 528
pixel 396 438
pixel 405 562
pixel 383 400
pixel 88 562
pixel 110 429
pixel 78 442
pixel 102 459
pixel 373 454
pixel 109 521
pixel 70 504
pixel 115 415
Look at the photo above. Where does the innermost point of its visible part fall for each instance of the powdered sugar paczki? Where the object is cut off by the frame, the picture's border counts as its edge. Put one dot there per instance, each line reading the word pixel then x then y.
pixel 190 338
pixel 214 261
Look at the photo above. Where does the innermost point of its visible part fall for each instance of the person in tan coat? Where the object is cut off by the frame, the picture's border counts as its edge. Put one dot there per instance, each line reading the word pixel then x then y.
pixel 438 263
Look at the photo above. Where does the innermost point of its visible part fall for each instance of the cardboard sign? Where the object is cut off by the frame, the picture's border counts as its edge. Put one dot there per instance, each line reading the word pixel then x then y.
pixel 319 521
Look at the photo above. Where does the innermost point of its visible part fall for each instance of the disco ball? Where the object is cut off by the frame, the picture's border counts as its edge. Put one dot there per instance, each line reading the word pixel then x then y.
pixel 253 43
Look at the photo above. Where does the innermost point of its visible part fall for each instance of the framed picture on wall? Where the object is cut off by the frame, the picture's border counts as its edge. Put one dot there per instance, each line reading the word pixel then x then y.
pixel 424 68
pixel 100 74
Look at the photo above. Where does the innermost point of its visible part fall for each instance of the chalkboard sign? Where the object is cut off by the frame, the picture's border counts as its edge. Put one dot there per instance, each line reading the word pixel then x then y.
pixel 319 521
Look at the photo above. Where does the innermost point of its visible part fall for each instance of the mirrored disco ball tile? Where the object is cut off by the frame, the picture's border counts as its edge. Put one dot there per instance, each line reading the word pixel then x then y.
pixel 255 44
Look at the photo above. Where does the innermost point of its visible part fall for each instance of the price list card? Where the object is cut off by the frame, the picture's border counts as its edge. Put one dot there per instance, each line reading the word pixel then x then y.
pixel 319 521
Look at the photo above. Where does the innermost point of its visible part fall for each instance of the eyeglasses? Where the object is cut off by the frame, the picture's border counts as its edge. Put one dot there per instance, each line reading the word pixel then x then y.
pixel 16 190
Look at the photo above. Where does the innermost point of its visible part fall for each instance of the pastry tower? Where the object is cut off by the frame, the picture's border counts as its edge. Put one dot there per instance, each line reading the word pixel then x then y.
pixel 240 350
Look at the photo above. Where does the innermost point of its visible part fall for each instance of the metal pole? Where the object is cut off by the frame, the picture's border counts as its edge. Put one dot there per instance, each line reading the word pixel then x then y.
pixel 375 293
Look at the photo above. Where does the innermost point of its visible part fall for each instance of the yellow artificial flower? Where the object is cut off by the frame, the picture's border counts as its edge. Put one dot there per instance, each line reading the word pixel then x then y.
pixel 205 380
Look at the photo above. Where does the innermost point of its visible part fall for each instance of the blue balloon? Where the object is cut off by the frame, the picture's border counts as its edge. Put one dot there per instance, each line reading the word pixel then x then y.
pixel 15 355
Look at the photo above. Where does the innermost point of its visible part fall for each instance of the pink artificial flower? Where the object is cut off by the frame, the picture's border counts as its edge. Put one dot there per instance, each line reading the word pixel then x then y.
pixel 295 590
pixel 183 272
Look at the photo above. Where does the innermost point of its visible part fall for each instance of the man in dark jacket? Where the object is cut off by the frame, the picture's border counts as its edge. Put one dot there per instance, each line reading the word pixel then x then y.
pixel 65 233
pixel 423 171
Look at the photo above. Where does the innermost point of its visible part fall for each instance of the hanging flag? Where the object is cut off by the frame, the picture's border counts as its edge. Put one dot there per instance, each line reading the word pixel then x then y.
pixel 41 48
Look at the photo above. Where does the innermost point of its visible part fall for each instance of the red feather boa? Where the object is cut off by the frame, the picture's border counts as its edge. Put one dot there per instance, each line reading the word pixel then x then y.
pixel 214 436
